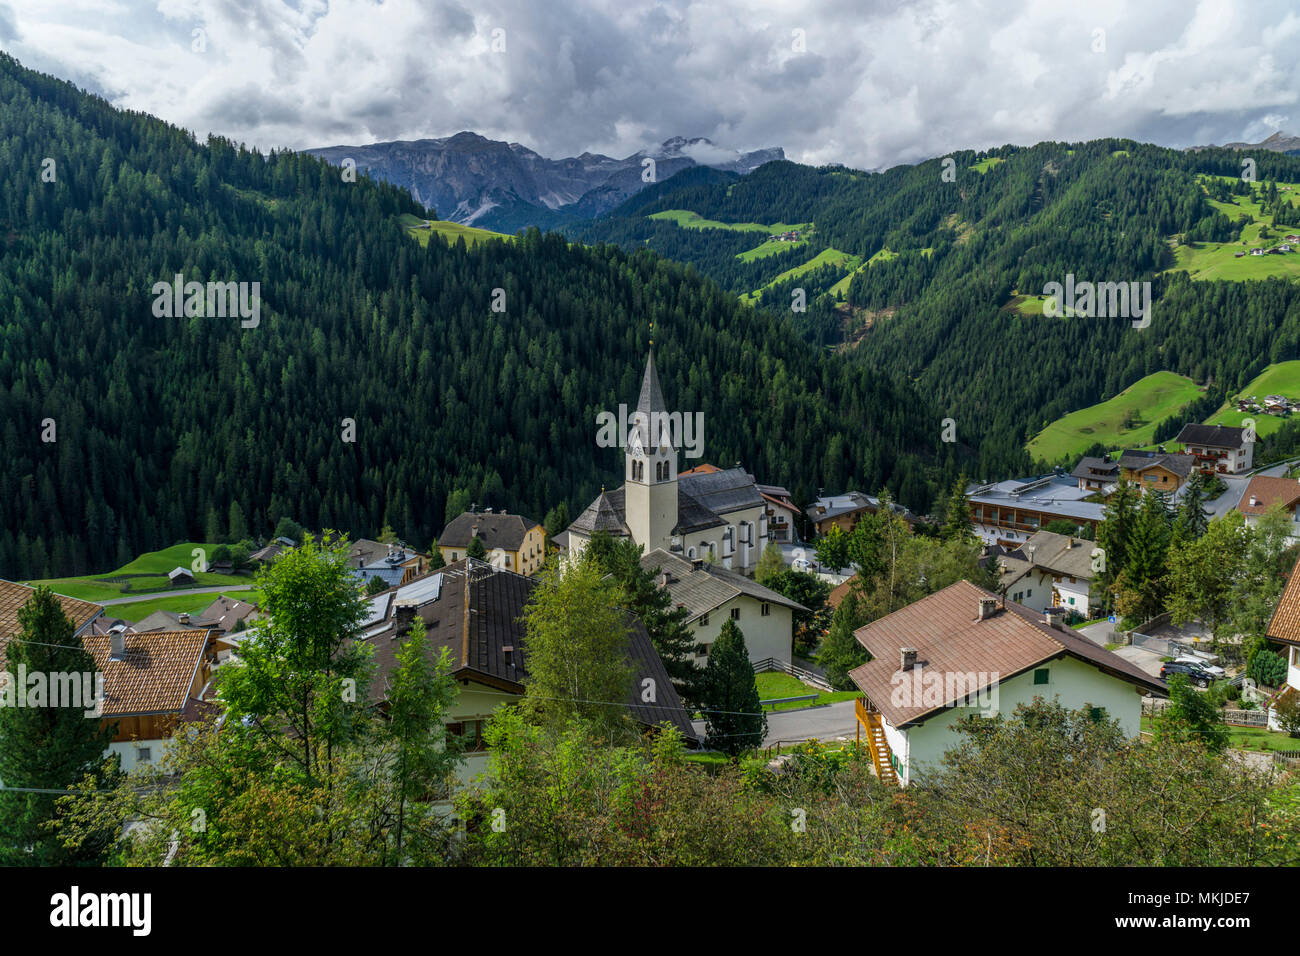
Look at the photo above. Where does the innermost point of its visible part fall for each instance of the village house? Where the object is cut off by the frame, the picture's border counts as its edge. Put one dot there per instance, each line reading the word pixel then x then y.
pixel 781 513
pixel 512 542
pixel 1099 475
pixel 152 682
pixel 714 595
pixel 474 610
pixel 717 515
pixel 1008 513
pixel 1156 470
pixel 846 510
pixel 1050 570
pixel 1218 448
pixel 1284 628
pixel 229 614
pixel 180 577
pixel 1263 493
pixel 273 550
pixel 391 563
pixel 960 652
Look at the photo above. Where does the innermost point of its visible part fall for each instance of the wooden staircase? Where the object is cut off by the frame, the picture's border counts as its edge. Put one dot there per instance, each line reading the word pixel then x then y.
pixel 881 755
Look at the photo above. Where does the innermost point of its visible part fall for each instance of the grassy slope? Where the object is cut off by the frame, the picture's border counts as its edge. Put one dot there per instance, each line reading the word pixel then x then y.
pixel 773 685
pixel 147 573
pixel 191 603
pixel 690 220
pixel 1154 398
pixel 828 256
pixel 450 230
pixel 1217 260
pixel 1280 379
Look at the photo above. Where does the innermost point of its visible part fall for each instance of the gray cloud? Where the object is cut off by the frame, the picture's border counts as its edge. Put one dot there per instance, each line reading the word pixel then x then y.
pixel 869 84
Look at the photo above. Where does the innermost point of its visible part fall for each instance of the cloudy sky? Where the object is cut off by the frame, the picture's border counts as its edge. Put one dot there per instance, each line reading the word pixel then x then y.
pixel 862 82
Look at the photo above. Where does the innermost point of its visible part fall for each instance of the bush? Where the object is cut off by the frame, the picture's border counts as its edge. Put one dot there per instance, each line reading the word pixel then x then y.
pixel 1288 713
pixel 1267 668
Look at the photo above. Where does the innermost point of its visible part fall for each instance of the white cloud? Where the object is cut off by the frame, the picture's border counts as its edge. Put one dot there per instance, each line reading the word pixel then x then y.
pixel 875 84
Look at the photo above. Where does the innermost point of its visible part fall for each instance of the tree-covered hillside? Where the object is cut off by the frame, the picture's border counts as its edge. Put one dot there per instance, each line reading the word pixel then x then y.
pixel 953 267
pixel 170 429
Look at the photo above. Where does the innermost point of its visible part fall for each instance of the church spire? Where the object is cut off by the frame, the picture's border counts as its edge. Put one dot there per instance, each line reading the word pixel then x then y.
pixel 652 397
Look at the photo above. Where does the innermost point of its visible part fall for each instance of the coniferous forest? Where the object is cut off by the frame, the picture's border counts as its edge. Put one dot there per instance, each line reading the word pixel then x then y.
pixel 166 429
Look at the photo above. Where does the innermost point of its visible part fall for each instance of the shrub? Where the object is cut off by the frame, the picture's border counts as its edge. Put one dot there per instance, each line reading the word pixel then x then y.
pixel 1267 668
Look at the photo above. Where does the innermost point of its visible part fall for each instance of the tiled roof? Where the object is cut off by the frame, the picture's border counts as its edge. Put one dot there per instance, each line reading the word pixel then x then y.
pixel 225 611
pixel 1285 626
pixel 1215 436
pixel 13 597
pixel 504 531
pixel 702 589
pixel 1095 469
pixel 603 514
pixel 169 620
pixel 949 639
pixel 1267 492
pixel 156 673
pixel 1060 553
pixel 473 610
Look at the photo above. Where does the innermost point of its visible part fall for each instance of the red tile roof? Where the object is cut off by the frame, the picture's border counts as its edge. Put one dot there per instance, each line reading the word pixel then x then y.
pixel 1268 492
pixel 13 597
pixel 155 674
pixel 950 639
pixel 1285 626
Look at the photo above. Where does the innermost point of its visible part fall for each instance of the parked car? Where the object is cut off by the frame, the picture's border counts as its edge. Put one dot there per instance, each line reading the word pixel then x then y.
pixel 1195 673
pixel 1218 672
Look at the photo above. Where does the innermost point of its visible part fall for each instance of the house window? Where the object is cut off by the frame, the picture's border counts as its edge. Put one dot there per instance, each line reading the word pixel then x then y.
pixel 704 649
pixel 453 555
pixel 735 614
pixel 1071 600
pixel 469 733
pixel 767 609
pixel 1029 593
pixel 1017 596
pixel 704 620
pixel 507 560
pixel 1041 675
pixel 144 754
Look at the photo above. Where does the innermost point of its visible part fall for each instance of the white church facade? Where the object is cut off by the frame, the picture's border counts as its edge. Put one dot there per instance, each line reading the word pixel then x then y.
pixel 715 515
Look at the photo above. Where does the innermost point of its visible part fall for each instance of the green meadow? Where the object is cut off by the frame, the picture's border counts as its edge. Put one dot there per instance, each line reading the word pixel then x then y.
pixel 145 574
pixel 1280 379
pixel 984 165
pixel 1151 399
pixel 1218 260
pixel 827 257
pixel 690 220
pixel 450 230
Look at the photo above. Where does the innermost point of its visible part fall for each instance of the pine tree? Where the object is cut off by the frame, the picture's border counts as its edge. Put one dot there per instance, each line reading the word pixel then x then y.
pixel 46 747
pixel 956 522
pixel 735 719
pixel 1142 583
pixel 477 549
pixel 1192 520
pixel 1114 531
pixel 435 556
pixel 840 651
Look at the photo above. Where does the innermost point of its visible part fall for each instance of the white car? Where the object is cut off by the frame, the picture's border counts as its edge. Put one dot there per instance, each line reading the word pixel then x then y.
pixel 1218 672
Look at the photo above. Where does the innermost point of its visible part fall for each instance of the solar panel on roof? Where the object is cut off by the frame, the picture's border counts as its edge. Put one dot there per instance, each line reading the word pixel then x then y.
pixel 421 591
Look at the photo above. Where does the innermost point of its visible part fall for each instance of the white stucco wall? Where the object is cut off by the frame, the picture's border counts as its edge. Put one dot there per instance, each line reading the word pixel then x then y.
pixel 129 751
pixel 1072 682
pixel 770 636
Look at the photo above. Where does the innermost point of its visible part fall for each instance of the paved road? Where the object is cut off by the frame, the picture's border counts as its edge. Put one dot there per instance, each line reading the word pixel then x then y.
pixel 175 592
pixel 824 723
pixel 1237 487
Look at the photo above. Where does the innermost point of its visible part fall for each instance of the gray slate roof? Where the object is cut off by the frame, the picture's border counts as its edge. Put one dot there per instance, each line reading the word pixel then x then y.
pixel 1180 465
pixel 505 531
pixel 652 397
pixel 701 590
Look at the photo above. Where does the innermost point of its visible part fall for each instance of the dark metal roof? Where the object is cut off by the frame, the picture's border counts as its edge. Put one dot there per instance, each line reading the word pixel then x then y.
pixel 475 614
pixel 721 491
pixel 1216 436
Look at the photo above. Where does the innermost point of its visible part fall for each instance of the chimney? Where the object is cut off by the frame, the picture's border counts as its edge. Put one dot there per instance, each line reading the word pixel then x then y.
pixel 1071 544
pixel 697 563
pixel 907 658
pixel 988 607
pixel 1053 616
pixel 1254 501
pixel 116 646
pixel 664 578
pixel 1029 552
pixel 404 614
pixel 183 617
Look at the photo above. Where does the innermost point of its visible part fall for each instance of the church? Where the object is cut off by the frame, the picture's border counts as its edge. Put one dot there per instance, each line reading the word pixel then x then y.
pixel 707 514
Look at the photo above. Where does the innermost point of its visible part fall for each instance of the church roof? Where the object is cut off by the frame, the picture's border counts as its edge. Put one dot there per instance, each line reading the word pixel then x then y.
pixel 604 514
pixel 721 491
pixel 652 396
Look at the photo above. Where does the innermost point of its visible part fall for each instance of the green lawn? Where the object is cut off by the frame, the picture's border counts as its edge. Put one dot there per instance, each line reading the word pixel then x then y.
pixel 774 684
pixel 984 165
pixel 1153 399
pixel 146 573
pixel 191 603
pixel 449 230
pixel 690 220
pixel 1250 738
pixel 1280 379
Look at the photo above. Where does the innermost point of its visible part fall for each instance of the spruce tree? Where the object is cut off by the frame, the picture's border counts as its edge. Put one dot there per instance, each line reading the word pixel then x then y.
pixel 46 747
pixel 956 521
pixel 840 651
pixel 476 549
pixel 735 722
pixel 1192 520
